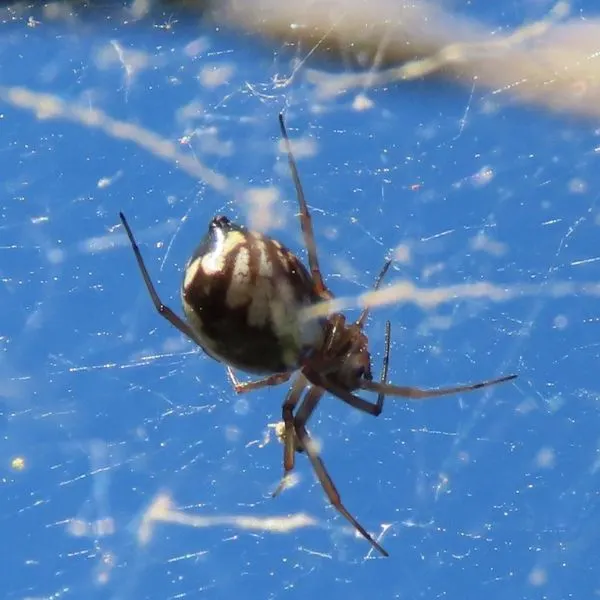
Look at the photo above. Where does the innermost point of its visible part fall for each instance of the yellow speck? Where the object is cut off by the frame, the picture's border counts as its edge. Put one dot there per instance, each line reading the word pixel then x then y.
pixel 18 463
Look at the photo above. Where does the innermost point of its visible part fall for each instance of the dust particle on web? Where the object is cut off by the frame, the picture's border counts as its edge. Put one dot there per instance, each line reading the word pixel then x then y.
pixel 212 76
pixel 18 463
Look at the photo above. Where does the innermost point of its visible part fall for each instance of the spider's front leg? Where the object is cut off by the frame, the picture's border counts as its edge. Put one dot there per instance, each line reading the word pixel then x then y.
pixel 414 393
pixel 290 443
pixel 299 438
pixel 345 394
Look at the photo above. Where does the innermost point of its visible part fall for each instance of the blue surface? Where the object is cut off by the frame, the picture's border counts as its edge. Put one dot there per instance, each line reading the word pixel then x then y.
pixel 489 495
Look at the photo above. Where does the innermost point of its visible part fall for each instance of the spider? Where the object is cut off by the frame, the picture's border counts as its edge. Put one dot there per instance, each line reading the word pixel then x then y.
pixel 243 294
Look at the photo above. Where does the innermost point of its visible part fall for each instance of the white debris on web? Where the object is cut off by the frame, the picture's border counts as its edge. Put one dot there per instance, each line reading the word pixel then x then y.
pixel 407 292
pixel 459 54
pixel 48 106
pixel 162 510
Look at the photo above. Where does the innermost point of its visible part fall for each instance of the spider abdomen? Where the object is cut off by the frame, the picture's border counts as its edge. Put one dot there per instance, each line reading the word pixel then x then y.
pixel 242 295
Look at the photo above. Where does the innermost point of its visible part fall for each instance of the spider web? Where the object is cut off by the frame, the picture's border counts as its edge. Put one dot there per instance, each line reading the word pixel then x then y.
pixel 131 469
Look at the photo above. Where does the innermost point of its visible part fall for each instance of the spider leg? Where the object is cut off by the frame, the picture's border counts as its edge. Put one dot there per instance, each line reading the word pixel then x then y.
pixel 417 394
pixel 318 465
pixel 306 408
pixel 305 218
pixel 343 394
pixel 241 387
pixel 163 311
pixel 365 313
pixel 385 366
pixel 289 438
pixel 320 379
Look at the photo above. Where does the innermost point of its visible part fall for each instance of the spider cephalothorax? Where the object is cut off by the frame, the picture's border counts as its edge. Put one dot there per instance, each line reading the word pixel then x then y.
pixel 244 294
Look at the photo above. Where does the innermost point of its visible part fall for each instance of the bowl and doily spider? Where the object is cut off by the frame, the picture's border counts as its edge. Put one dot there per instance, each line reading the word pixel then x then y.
pixel 243 295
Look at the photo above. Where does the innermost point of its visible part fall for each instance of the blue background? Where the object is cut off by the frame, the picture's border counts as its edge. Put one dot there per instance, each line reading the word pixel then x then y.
pixel 488 495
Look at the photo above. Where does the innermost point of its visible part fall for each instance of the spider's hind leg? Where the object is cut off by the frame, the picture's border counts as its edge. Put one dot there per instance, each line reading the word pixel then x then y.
pixel 305 218
pixel 241 387
pixel 162 309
